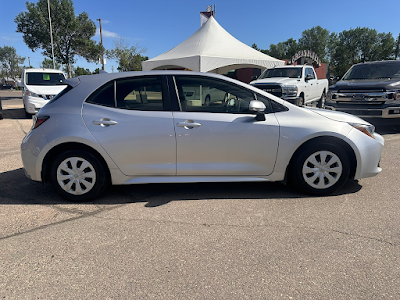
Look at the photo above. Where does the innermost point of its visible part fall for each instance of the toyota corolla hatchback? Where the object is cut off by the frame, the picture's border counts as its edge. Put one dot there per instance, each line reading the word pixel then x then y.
pixel 144 127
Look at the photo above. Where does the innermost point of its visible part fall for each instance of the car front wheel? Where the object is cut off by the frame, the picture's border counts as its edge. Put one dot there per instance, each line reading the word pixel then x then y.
pixel 78 176
pixel 320 168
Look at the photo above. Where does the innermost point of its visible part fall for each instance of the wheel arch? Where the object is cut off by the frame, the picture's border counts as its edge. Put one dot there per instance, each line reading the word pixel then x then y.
pixel 55 151
pixel 349 150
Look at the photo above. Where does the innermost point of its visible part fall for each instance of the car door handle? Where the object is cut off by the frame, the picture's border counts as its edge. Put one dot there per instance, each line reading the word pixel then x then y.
pixel 188 124
pixel 105 122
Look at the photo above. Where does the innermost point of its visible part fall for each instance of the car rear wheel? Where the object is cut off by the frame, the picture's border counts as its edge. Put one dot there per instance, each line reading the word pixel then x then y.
pixel 320 168
pixel 78 176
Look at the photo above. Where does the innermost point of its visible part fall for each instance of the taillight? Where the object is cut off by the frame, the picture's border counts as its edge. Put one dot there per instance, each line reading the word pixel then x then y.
pixel 37 121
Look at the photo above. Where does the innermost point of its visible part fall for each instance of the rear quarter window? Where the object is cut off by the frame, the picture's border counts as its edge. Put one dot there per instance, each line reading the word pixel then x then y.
pixel 103 96
pixel 60 94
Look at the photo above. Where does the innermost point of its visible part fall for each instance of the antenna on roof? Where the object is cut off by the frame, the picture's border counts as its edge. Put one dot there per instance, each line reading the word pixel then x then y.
pixel 205 15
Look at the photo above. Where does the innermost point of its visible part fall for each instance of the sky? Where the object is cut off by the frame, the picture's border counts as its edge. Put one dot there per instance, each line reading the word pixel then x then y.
pixel 159 26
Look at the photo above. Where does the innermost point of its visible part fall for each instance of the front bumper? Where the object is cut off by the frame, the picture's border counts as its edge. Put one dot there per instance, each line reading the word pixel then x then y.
pixel 33 104
pixel 291 99
pixel 363 111
pixel 368 153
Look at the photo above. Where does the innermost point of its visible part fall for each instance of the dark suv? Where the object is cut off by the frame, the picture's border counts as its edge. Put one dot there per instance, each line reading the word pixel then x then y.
pixel 369 89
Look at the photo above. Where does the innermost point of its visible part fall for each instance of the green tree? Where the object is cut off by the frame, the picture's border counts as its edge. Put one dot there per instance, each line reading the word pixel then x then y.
pixel 71 34
pixel 10 62
pixel 282 50
pixel 96 71
pixel 359 45
pixel 315 39
pixel 254 46
pixel 48 64
pixel 129 59
pixel 397 48
pixel 81 71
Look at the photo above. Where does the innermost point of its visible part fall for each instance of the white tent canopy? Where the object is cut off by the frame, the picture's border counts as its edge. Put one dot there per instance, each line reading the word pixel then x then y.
pixel 211 49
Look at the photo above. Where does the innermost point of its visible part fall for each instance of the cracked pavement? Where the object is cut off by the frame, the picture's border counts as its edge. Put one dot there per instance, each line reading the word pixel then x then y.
pixel 197 241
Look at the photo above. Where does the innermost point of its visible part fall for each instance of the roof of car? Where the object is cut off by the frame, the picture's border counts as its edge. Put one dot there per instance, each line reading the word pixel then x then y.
pixel 42 70
pixel 105 77
pixel 379 62
pixel 291 66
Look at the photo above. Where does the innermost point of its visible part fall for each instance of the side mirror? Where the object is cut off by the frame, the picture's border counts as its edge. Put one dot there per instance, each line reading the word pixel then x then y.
pixel 308 77
pixel 258 107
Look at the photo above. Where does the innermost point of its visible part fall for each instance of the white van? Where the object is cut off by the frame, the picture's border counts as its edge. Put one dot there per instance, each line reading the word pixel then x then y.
pixel 39 86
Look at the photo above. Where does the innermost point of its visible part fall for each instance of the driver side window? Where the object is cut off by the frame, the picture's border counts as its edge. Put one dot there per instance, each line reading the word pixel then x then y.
pixel 200 94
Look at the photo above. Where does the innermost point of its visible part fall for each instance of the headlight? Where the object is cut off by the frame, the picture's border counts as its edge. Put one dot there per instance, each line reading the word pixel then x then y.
pixel 289 89
pixel 331 96
pixel 364 128
pixel 392 96
pixel 28 93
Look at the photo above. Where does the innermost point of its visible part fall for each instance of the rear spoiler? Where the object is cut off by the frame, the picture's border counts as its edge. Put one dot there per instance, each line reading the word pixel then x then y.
pixel 73 81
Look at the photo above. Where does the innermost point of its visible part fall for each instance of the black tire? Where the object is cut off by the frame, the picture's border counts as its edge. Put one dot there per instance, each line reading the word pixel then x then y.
pixel 89 181
pixel 299 101
pixel 321 101
pixel 320 168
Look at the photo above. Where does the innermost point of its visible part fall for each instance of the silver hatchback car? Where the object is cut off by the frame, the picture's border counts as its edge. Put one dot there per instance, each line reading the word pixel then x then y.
pixel 150 127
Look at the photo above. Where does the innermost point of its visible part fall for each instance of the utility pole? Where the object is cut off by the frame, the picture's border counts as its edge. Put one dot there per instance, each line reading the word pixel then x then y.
pixel 51 35
pixel 102 52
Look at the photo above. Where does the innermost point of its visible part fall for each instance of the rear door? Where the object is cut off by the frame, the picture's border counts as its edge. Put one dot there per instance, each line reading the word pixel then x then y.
pixel 132 121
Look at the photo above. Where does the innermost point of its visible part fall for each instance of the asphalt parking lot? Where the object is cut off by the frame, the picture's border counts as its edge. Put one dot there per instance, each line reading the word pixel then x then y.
pixel 197 241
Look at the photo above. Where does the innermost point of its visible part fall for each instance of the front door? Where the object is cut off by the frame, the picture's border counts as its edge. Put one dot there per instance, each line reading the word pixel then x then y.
pixel 222 137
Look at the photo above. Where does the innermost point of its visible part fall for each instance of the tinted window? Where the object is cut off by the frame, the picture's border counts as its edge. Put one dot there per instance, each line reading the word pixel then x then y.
pixel 104 95
pixel 276 107
pixel 140 93
pixel 199 94
pixel 282 72
pixel 373 71
pixel 45 78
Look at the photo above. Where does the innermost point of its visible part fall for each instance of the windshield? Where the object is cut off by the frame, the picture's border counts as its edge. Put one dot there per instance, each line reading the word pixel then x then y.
pixel 45 78
pixel 373 71
pixel 282 72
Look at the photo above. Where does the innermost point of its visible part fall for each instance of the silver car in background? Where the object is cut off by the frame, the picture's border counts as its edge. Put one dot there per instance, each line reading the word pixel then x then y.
pixel 138 127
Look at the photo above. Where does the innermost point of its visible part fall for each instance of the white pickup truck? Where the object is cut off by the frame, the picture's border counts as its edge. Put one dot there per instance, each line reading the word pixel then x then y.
pixel 297 84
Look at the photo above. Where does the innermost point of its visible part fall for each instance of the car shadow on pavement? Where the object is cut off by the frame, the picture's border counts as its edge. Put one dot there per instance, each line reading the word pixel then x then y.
pixel 386 126
pixel 16 189
pixel 15 113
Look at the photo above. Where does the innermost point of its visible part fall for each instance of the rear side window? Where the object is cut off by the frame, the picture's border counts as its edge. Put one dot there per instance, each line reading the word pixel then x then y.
pixel 103 96
pixel 140 94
